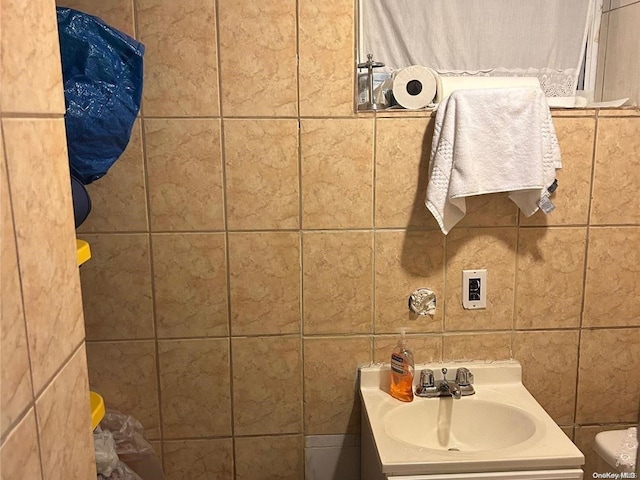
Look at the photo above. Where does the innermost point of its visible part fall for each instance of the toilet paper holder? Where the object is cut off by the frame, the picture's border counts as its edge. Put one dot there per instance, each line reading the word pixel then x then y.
pixel 370 65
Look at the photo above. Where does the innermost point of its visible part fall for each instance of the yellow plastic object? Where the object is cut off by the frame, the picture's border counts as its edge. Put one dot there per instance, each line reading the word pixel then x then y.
pixel 97 409
pixel 83 251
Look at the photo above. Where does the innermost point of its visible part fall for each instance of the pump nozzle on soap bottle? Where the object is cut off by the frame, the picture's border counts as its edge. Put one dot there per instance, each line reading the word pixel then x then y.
pixel 402 367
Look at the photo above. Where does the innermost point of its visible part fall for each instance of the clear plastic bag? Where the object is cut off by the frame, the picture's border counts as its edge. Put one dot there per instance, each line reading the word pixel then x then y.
pixel 106 456
pixel 121 472
pixel 132 448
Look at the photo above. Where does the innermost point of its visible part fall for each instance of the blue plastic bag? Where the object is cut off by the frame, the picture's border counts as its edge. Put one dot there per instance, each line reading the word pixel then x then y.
pixel 102 75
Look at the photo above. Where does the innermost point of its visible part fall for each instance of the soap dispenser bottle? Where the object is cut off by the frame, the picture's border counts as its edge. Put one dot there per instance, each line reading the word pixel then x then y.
pixel 402 366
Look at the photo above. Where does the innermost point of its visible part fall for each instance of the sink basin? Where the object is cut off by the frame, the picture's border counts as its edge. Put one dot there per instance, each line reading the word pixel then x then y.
pixel 501 428
pixel 460 426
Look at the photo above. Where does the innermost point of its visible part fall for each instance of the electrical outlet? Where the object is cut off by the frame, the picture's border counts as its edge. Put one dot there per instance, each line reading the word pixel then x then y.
pixel 474 289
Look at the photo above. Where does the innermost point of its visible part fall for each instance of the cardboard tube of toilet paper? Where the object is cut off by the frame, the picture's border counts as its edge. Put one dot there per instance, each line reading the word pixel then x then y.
pixel 414 87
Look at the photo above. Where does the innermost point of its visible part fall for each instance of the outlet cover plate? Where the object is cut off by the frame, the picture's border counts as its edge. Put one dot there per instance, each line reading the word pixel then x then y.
pixel 474 289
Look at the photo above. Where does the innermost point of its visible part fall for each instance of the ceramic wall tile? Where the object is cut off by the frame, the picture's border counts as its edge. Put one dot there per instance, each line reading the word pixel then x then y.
pixel 568 431
pixel 591 112
pixel 33 86
pixel 267 385
pixel 266 458
pixel 326 72
pixel 181 77
pixel 190 282
pixel 622 68
pixel 489 248
pixel 184 174
pixel 338 282
pixel 261 80
pixel 261 167
pixel 116 287
pixel 15 376
pixel 264 271
pixel 549 359
pixel 157 447
pixel 612 292
pixel 332 456
pixel 36 149
pixel 613 355
pixel 125 374
pixel 576 138
pixel 63 413
pixel 116 13
pixel 194 373
pixel 403 147
pixel 477 346
pixel 619 3
pixel 336 409
pixel 19 453
pixel 337 173
pixel 585 440
pixel 119 199
pixel 627 111
pixel 199 459
pixel 550 277
pixel 425 348
pixel 406 261
pixel 617 169
pixel 493 210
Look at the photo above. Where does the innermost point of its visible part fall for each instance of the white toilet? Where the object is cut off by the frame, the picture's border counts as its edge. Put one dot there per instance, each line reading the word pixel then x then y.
pixel 616 451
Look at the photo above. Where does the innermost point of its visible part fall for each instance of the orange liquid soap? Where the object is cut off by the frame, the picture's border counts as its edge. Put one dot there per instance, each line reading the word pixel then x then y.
pixel 402 366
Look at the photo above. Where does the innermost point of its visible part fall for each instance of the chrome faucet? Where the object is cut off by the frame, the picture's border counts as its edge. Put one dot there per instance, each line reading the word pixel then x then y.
pixel 449 388
pixel 460 387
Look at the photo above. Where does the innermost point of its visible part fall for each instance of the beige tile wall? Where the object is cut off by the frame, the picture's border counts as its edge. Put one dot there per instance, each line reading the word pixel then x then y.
pixel 45 429
pixel 248 258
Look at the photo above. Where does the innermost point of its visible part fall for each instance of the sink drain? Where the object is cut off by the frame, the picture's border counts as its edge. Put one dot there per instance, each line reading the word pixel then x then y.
pixel 452 449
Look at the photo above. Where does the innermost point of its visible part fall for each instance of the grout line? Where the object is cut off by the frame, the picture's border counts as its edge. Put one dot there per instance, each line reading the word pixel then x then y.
pixel 622 6
pixel 585 272
pixel 300 235
pixel 374 243
pixel 421 333
pixel 445 271
pixel 359 115
pixel 514 308
pixel 228 437
pixel 143 141
pixel 226 232
pixel 31 116
pixel 356 229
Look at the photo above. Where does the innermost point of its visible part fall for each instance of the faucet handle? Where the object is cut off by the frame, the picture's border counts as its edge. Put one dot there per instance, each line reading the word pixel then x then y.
pixel 426 378
pixel 464 377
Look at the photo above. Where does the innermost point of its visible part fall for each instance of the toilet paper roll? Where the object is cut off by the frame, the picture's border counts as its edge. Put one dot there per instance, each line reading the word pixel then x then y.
pixel 414 87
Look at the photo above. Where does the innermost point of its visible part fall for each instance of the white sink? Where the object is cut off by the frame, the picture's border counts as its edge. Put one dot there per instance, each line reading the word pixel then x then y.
pixel 501 428
pixel 470 426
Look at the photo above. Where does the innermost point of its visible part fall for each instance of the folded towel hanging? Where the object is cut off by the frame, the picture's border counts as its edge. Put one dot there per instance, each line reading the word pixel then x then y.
pixel 488 141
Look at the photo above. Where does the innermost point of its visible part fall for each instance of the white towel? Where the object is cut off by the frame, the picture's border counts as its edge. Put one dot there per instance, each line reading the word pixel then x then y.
pixel 487 141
